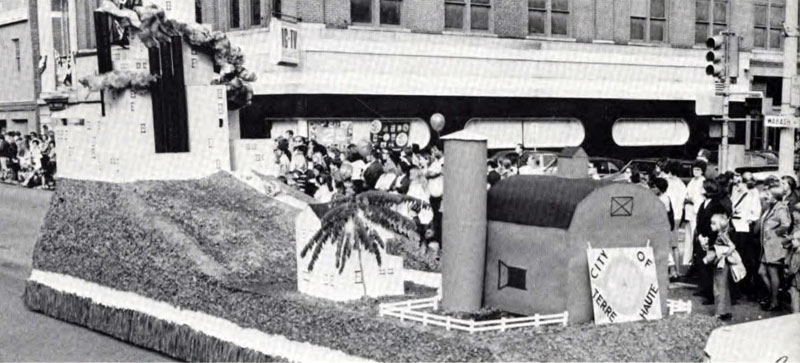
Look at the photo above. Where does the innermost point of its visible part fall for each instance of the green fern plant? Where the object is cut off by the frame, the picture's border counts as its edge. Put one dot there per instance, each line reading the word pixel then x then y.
pixel 352 223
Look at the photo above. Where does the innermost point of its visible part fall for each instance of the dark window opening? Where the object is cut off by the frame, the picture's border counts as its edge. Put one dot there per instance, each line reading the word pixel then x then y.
pixel 234 14
pixel 390 12
pixel 255 6
pixel 361 11
pixel 198 11
pixel 454 14
pixel 509 276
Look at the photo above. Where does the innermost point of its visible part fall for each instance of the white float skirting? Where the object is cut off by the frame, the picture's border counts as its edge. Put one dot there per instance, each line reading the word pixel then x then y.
pixel 269 344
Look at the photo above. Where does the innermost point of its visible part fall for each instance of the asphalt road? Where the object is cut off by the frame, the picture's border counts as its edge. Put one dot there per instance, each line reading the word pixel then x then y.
pixel 29 336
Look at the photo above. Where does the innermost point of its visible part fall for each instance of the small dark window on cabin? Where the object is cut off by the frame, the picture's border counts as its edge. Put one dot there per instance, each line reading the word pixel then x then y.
pixel 509 276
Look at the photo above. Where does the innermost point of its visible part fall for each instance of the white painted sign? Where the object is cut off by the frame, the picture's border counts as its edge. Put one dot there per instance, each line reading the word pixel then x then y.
pixel 624 285
pixel 780 121
pixel 285 39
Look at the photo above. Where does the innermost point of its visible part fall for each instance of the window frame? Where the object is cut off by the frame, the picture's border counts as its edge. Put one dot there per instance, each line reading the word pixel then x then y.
pixel 647 23
pixel 466 17
pixel 767 26
pixel 375 15
pixel 712 21
pixel 548 20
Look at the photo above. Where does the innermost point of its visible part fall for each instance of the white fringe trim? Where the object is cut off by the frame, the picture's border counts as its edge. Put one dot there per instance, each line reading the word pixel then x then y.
pixel 274 345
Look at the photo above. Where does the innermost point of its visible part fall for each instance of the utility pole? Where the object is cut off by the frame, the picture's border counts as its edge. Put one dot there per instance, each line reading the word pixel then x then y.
pixel 786 153
pixel 726 104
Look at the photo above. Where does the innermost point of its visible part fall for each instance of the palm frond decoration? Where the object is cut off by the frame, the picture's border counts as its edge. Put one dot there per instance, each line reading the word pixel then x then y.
pixel 354 223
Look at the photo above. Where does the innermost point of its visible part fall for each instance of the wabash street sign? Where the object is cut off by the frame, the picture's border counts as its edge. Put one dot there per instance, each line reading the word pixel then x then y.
pixel 780 121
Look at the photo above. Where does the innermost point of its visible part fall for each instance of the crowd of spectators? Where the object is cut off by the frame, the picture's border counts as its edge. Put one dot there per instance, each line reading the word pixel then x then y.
pixel 28 160
pixel 328 172
pixel 742 236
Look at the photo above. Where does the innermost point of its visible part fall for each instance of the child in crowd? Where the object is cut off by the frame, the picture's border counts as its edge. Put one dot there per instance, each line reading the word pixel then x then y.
pixel 726 260
pixel 660 187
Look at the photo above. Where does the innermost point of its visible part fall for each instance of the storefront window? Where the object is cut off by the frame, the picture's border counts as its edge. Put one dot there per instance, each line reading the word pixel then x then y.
pixel 650 132
pixel 390 12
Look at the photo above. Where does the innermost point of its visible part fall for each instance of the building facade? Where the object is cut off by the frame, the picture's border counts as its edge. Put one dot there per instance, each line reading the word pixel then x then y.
pixel 18 66
pixel 618 67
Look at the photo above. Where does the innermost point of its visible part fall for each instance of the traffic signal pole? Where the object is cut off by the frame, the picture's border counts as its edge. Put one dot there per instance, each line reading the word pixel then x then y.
pixel 726 102
pixel 786 153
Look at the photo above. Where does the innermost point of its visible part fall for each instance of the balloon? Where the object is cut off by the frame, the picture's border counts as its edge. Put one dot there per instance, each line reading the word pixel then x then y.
pixel 437 122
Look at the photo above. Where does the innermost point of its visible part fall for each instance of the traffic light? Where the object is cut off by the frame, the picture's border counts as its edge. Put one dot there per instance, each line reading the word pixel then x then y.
pixel 716 56
pixel 723 55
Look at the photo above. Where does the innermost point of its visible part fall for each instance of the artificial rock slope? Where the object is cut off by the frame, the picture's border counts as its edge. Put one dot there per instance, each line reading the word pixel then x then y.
pixel 218 247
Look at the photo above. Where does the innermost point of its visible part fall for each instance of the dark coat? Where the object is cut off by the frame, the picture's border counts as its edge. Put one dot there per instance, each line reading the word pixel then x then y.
pixel 372 173
pixel 716 206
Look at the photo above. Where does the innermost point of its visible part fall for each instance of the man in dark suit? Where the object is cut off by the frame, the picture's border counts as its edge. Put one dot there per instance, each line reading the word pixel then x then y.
pixel 374 170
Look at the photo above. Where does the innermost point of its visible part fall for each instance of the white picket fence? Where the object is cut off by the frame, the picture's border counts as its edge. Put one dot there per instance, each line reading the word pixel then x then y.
pixel 679 306
pixel 411 310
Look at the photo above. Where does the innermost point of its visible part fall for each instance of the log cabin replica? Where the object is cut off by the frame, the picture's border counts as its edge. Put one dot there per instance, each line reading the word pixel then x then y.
pixel 521 246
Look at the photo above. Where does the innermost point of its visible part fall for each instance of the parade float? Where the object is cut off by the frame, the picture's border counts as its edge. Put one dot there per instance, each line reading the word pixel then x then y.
pixel 150 238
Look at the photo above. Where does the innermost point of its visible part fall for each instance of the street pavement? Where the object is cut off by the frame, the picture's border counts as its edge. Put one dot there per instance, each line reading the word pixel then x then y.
pixel 29 336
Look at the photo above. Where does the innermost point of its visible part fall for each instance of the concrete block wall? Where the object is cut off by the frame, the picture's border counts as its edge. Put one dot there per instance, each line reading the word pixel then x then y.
pixel 681 15
pixel 510 18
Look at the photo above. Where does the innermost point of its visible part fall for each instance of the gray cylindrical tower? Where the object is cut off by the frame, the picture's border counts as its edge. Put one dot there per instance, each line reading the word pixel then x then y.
pixel 464 221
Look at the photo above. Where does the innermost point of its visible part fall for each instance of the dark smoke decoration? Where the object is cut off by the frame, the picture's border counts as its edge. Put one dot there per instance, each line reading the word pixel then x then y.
pixel 151 25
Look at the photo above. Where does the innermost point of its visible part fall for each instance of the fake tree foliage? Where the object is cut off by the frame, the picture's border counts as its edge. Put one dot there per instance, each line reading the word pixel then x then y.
pixel 150 24
pixel 353 223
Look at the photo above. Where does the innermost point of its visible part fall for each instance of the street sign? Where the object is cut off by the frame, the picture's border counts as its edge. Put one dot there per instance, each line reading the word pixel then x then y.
pixel 781 121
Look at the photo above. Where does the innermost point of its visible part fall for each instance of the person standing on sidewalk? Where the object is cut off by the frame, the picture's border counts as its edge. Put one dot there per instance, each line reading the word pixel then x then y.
pixel 775 225
pixel 746 213
pixel 694 198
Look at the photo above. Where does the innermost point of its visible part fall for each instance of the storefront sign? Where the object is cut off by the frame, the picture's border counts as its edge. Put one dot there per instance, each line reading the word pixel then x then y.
pixel 780 121
pixel 391 135
pixel 285 38
pixel 624 285
pixel 336 133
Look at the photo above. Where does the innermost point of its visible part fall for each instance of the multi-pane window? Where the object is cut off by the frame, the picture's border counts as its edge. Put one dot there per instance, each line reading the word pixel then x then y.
pixel 468 15
pixel 548 17
pixel 711 17
pixel 768 17
pixel 17 54
pixel 375 12
pixel 649 20
pixel 60 19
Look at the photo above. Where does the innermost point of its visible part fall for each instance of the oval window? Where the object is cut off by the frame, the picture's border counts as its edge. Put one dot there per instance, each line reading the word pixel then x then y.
pixel 553 132
pixel 650 131
pixel 545 132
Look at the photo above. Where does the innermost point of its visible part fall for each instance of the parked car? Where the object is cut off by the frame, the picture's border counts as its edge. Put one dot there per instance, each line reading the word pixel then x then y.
pixel 752 158
pixel 546 158
pixel 606 166
pixel 647 165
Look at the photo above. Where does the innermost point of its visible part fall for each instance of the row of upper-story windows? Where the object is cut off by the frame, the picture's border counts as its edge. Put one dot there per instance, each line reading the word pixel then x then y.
pixel 649 19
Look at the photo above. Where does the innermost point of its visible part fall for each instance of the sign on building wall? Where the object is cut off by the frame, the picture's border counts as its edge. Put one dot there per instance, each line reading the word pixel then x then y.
pixel 285 40
pixel 336 133
pixel 391 135
pixel 624 284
